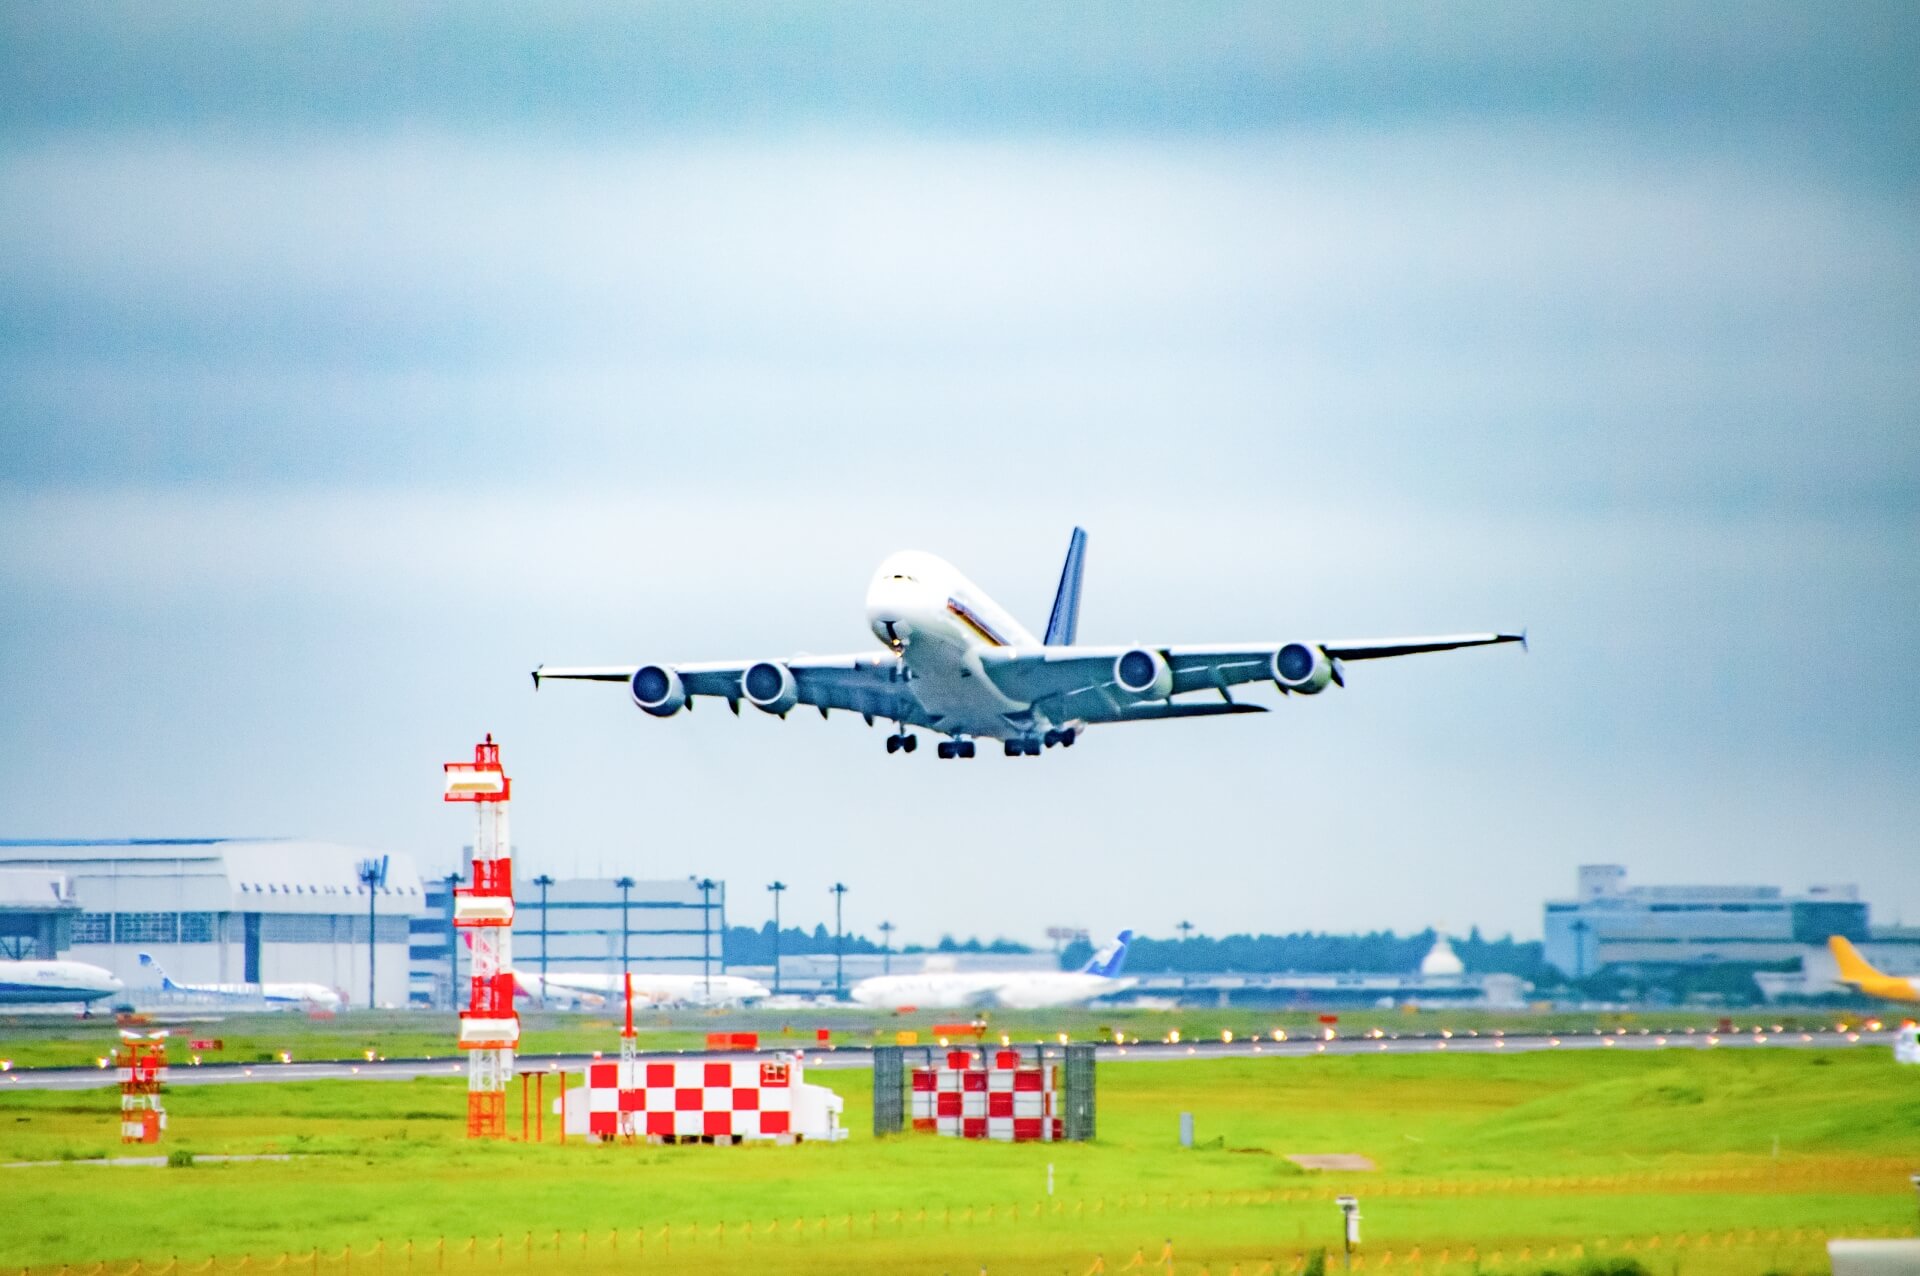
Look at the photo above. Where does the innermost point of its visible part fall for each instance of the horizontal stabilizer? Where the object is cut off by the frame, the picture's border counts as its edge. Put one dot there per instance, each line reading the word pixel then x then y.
pixel 1149 712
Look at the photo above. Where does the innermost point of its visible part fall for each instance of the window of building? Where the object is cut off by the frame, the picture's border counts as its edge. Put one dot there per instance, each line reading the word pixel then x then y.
pixel 146 928
pixel 93 928
pixel 283 928
pixel 196 928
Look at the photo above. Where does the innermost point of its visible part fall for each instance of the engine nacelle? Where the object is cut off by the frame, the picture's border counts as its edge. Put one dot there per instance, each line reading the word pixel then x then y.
pixel 770 688
pixel 658 690
pixel 1299 667
pixel 1144 673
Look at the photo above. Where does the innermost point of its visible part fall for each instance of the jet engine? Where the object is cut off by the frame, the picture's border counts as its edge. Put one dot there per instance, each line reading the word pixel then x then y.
pixel 658 690
pixel 1144 673
pixel 1299 667
pixel 770 687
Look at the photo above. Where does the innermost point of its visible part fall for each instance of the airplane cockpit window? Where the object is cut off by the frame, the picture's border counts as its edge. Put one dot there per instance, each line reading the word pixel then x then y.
pixel 899 576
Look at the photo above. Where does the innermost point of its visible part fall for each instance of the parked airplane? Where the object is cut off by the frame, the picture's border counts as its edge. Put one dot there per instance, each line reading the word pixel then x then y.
pixel 1008 989
pixel 1857 972
pixel 51 983
pixel 648 989
pixel 959 664
pixel 276 995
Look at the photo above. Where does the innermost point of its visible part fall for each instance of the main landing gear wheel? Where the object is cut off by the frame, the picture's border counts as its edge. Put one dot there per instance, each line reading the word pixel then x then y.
pixel 902 743
pixel 1029 748
pixel 956 748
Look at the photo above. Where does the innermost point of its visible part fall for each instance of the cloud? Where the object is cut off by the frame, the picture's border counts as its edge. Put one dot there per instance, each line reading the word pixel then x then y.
pixel 1433 303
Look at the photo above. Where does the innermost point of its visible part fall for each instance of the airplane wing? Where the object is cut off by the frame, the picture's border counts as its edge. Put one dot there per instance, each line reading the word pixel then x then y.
pixel 872 684
pixel 1085 684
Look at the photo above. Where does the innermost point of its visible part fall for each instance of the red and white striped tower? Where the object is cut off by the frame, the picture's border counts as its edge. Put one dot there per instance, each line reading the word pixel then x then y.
pixel 483 912
pixel 142 1064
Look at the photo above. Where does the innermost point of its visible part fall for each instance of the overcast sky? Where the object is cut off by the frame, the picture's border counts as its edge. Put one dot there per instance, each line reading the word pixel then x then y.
pixel 355 359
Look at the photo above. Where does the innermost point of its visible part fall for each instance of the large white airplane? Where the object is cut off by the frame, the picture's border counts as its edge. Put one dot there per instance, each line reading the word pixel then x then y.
pixel 648 989
pixel 275 995
pixel 52 983
pixel 1007 989
pixel 957 663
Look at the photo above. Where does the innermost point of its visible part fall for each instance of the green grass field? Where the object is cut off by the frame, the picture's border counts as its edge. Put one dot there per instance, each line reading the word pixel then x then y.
pixel 1491 1162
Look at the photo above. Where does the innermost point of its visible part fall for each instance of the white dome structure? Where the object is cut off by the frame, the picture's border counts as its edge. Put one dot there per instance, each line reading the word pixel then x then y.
pixel 1442 960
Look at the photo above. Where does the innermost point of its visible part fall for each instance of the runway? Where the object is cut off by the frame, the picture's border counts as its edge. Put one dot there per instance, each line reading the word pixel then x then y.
pixel 21 1079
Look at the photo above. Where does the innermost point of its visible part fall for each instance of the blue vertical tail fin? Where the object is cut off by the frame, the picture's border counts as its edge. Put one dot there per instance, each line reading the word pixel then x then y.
pixel 1111 960
pixel 166 980
pixel 1064 623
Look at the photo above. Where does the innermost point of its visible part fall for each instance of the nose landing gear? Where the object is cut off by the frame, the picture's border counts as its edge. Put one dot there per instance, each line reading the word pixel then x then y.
pixel 1062 737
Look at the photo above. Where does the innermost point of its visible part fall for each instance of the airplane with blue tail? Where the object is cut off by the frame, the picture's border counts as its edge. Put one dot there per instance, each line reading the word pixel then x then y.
pixel 277 996
pixel 956 663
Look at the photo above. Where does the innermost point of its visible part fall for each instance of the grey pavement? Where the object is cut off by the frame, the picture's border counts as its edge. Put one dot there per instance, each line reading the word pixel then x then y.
pixel 860 1057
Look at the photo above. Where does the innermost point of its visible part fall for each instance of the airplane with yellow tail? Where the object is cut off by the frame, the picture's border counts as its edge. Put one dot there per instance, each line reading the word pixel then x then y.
pixel 1857 972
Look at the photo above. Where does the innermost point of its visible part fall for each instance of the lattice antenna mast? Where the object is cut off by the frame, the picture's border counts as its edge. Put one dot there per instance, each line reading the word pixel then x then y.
pixel 483 915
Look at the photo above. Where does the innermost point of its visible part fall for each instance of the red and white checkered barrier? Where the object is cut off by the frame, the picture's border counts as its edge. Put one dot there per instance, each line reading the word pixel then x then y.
pixel 994 1094
pixel 702 1100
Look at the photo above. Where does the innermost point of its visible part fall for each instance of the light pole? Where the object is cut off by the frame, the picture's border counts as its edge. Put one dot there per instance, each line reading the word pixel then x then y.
pixel 543 881
pixel 373 875
pixel 839 891
pixel 453 943
pixel 776 888
pixel 706 936
pixel 886 948
pixel 626 887
pixel 1186 931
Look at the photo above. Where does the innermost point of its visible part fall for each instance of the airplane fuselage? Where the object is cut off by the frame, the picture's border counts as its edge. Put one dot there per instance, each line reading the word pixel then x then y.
pixel 961 990
pixel 700 990
pixel 53 983
pixel 940 624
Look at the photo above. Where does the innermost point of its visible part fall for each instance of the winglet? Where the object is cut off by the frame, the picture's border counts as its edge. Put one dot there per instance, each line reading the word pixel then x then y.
pixel 536 677
pixel 1064 623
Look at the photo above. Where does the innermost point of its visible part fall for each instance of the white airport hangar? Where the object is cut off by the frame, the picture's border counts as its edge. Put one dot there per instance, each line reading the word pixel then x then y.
pixel 233 910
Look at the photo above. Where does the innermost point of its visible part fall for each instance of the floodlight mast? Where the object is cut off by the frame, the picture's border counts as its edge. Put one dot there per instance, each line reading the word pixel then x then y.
pixel 489 1026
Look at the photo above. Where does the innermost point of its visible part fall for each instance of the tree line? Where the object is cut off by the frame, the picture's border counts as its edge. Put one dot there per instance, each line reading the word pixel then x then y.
pixel 750 946
pixel 1309 952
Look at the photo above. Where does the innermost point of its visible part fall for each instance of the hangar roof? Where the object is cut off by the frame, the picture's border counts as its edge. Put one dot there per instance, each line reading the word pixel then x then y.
pixel 217 874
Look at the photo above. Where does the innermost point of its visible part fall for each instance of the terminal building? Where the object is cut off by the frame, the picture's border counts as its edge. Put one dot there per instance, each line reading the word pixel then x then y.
pixel 214 910
pixel 1611 924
